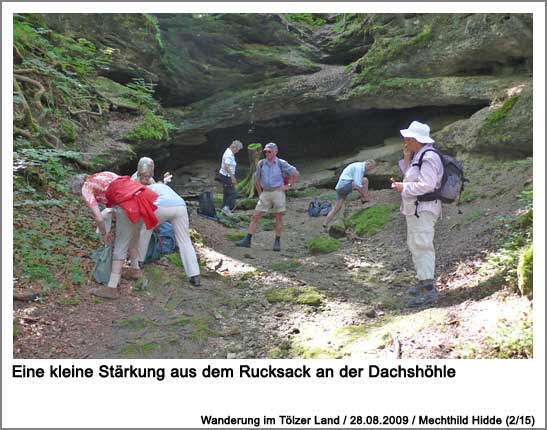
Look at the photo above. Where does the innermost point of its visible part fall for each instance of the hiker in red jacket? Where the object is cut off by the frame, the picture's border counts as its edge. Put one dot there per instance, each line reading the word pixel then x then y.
pixel 133 204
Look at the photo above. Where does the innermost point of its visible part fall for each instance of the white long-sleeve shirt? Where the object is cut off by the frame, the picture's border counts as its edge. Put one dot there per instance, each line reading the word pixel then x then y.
pixel 421 181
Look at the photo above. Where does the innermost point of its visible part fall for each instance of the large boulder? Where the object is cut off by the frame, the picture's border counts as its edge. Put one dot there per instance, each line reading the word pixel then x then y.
pixel 503 129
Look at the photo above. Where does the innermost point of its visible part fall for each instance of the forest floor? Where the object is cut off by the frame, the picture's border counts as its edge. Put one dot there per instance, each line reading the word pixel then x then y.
pixel 256 303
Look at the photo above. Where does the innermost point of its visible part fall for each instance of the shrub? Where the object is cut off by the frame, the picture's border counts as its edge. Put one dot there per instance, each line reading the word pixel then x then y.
pixel 525 271
pixel 154 127
pixel 322 244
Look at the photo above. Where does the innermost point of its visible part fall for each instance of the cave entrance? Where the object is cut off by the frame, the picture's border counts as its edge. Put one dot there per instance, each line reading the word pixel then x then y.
pixel 311 141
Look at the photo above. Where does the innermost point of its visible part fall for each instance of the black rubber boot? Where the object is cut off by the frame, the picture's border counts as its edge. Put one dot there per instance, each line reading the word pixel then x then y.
pixel 195 281
pixel 245 242
pixel 277 244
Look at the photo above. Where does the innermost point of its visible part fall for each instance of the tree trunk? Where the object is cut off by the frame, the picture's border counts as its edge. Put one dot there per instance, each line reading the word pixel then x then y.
pixel 247 185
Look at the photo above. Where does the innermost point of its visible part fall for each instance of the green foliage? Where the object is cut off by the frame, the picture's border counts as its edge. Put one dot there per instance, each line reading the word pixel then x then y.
pixel 246 203
pixel 422 38
pixel 473 216
pixel 154 27
pixel 154 127
pixel 370 221
pixel 69 131
pixel 142 93
pixel 525 271
pixel 498 115
pixel 467 196
pixel 236 235
pixel 135 322
pixel 300 295
pixel 322 244
pixel 307 19
pixel 513 339
pixel 15 330
pixel 139 350
pixel 201 328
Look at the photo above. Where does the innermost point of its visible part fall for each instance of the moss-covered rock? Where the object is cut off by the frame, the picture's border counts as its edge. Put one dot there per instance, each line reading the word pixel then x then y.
pixel 370 221
pixel 503 129
pixel 322 244
pixel 300 295
pixel 525 271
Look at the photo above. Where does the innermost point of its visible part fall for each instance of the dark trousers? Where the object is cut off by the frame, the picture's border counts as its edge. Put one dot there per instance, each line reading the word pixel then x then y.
pixel 229 192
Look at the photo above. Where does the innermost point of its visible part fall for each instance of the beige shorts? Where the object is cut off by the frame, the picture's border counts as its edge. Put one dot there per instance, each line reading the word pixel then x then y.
pixel 271 201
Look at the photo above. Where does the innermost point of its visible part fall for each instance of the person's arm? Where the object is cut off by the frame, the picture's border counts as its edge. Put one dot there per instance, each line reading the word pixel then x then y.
pixel 258 186
pixel 107 237
pixel 292 180
pixel 232 176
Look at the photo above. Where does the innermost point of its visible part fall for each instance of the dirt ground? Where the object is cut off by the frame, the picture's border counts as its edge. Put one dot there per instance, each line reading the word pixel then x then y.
pixel 362 307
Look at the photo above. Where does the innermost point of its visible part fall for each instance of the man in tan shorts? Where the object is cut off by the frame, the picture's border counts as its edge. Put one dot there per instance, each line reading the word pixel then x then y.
pixel 271 191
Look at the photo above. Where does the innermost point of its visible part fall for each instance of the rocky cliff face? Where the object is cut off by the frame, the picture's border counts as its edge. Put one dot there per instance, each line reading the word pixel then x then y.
pixel 261 76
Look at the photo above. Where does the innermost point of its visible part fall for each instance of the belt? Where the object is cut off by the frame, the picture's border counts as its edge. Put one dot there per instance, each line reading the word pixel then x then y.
pixel 271 189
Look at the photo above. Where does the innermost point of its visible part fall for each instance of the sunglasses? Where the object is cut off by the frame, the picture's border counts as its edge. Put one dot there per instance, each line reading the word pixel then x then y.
pixel 267 151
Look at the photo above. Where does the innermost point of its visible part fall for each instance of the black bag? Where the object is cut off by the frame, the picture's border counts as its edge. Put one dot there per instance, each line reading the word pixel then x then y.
pixel 207 205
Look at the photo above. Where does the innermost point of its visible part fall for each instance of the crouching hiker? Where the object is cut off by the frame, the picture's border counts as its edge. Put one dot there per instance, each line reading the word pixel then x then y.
pixel 351 178
pixel 271 191
pixel 132 203
pixel 172 207
pixel 420 207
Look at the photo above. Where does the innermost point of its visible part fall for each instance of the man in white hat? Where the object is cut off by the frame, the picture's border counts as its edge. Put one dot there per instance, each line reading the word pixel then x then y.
pixel 421 215
pixel 271 192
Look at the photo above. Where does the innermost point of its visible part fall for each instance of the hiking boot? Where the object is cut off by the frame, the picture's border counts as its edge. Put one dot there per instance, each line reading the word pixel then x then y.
pixel 415 290
pixel 425 297
pixel 226 211
pixel 195 280
pixel 105 292
pixel 132 273
pixel 245 242
pixel 277 245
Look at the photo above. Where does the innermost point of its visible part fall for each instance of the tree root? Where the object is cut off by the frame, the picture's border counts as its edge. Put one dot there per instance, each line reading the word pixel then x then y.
pixel 38 95
pixel 100 113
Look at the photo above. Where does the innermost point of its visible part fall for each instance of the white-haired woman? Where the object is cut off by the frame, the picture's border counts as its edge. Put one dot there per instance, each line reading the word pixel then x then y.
pixel 227 175
pixel 351 178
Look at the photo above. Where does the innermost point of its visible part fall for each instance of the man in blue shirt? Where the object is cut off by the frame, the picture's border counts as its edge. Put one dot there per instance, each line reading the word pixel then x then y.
pixel 352 178
pixel 271 191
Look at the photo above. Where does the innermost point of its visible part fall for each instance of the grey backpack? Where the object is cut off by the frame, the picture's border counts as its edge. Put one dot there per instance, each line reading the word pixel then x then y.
pixel 103 264
pixel 452 181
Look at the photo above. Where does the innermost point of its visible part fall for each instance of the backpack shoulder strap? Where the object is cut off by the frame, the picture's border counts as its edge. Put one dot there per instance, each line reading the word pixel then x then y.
pixel 421 159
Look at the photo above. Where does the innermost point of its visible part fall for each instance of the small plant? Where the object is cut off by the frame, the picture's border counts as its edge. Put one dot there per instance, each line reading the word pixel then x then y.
pixel 236 235
pixel 525 271
pixel 154 127
pixel 498 115
pixel 469 218
pixel 322 244
pixel 308 19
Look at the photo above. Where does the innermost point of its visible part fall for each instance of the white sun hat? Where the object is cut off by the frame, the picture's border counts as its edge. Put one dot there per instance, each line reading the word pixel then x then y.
pixel 418 131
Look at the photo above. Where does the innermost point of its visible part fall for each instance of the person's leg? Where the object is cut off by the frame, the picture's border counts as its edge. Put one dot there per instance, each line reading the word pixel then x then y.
pixel 363 191
pixel 144 241
pixel 334 211
pixel 121 246
pixel 279 207
pixel 182 235
pixel 263 205
pixel 420 235
pixel 232 196
pixel 225 190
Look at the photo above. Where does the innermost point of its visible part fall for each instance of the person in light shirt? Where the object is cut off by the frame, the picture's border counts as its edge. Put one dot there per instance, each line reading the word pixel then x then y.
pixel 352 178
pixel 227 176
pixel 421 216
